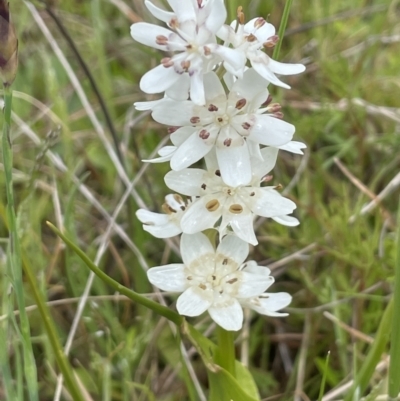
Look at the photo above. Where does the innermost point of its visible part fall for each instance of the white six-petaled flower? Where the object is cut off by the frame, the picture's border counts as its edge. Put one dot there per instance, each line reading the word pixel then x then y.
pixel 192 28
pixel 217 281
pixel 235 125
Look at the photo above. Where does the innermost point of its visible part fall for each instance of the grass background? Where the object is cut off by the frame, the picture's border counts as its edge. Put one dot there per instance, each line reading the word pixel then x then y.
pixel 338 264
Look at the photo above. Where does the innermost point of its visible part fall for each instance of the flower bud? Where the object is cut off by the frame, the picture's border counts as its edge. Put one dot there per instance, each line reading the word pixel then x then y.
pixel 8 46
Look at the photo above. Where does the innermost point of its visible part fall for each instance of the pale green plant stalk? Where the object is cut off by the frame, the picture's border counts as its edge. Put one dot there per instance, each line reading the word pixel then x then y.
pixel 282 28
pixel 14 251
pixel 394 382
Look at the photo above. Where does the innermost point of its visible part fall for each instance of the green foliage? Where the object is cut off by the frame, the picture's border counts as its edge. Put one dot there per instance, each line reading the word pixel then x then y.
pixel 122 351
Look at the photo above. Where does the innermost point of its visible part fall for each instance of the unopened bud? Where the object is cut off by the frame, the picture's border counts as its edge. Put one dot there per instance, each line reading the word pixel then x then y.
pixel 8 46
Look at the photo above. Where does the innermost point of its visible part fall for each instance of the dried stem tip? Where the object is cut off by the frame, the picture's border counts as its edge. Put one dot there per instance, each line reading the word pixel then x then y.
pixel 8 46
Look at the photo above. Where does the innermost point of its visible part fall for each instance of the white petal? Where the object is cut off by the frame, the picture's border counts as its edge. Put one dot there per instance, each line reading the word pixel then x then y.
pixel 284 68
pixel 213 86
pixel 270 303
pixel 260 64
pixel 271 131
pixel 165 231
pixel 166 154
pixel 158 79
pixel 250 85
pixel 191 303
pixel 181 134
pixel 191 151
pixel 253 285
pixel 149 105
pixel 294 147
pixel 146 34
pixel 268 203
pixel 180 90
pixel 228 317
pixel 160 14
pixel 184 10
pixel 217 16
pixel 174 113
pixel 234 163
pixel 252 267
pixel 197 94
pixel 242 225
pixel 233 248
pixel 233 57
pixel 148 217
pixel 287 220
pixel 194 246
pixel 198 218
pixel 187 182
pixel 263 167
pixel 168 278
pixel 211 160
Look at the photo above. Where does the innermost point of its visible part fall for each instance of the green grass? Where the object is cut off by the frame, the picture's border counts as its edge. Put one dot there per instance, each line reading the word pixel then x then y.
pixel 122 351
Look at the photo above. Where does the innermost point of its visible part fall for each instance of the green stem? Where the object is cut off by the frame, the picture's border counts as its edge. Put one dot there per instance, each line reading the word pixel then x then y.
pixel 51 331
pixel 134 296
pixel 14 251
pixel 394 369
pixel 282 28
pixel 225 356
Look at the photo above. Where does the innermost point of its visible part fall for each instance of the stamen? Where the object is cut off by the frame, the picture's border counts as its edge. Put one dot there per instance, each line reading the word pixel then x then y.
pixel 189 278
pixel 240 15
pixel 212 205
pixel 207 50
pixel 241 103
pixel 278 114
pixel 228 142
pixel 202 286
pixel 167 62
pixel 203 186
pixel 185 65
pixel 232 281
pixel 161 40
pixel 267 178
pixel 251 38
pixel 236 209
pixel 225 262
pixel 195 120
pixel 212 107
pixel 267 102
pixel 252 193
pixel 272 41
pixel 259 22
pixel 246 125
pixel 218 173
pixel 171 130
pixel 204 134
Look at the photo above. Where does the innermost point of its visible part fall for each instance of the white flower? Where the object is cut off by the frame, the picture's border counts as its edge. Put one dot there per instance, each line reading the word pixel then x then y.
pixel 193 24
pixel 213 280
pixel 249 39
pixel 236 205
pixel 230 123
pixel 268 304
pixel 164 225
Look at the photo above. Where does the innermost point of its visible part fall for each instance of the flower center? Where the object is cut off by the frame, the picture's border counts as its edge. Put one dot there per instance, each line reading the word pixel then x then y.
pixel 222 120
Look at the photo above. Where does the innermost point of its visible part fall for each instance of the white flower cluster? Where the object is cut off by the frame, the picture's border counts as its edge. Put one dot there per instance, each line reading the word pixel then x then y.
pixel 217 108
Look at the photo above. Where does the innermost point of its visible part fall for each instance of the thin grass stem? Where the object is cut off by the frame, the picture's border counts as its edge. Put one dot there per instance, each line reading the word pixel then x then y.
pixel 282 28
pixel 394 369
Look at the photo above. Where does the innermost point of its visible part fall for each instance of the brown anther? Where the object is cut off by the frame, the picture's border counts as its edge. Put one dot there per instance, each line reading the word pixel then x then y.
pixel 189 47
pixel 259 22
pixel 167 62
pixel 278 114
pixel 267 102
pixel 240 15
pixel 236 209
pixel 212 205
pixel 185 64
pixel 220 119
pixel 274 107
pixel 229 192
pixel 202 286
pixel 246 125
pixel 167 209
pixel 232 281
pixel 199 3
pixel 161 40
pixel 225 262
pixel 171 130
pixel 218 173
pixel 214 277
pixel 204 134
pixel 203 186
pixel 228 142
pixel 195 120
pixel 251 38
pixel 252 193
pixel 279 187
pixel 212 107
pixel 267 178
pixel 240 103
pixel 174 23
pixel 189 278
pixel 207 50
pixel 272 41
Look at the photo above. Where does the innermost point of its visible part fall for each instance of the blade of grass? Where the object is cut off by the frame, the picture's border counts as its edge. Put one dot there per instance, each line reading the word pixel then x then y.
pixel 134 296
pixel 14 251
pixel 394 369
pixel 282 28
